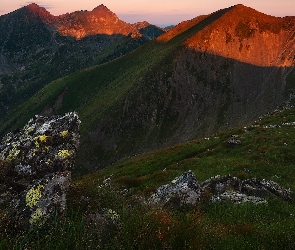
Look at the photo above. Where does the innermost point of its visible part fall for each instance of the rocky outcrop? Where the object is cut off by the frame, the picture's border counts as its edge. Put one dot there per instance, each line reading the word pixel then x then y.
pixel 36 164
pixel 186 190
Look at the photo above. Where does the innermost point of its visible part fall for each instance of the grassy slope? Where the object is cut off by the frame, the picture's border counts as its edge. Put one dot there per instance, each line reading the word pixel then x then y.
pixel 94 90
pixel 266 152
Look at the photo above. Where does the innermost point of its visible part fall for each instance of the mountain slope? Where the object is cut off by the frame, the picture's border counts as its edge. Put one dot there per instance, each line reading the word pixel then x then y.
pixel 37 47
pixel 175 88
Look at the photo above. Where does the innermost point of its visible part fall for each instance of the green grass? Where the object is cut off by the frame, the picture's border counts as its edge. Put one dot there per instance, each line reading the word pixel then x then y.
pixel 264 153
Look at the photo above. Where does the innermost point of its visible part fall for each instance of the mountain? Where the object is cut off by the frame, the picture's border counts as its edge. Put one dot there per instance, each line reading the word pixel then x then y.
pixel 148 30
pixel 98 21
pixel 37 47
pixel 206 74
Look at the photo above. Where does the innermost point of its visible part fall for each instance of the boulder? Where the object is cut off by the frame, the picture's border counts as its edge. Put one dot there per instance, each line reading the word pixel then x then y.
pixel 36 162
pixel 183 190
pixel 263 188
pixel 251 190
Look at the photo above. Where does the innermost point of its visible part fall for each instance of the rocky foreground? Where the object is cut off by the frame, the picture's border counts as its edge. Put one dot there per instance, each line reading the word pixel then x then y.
pixel 35 166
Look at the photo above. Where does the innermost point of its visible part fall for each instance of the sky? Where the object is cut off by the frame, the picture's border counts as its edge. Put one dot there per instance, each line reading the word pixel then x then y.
pixel 159 12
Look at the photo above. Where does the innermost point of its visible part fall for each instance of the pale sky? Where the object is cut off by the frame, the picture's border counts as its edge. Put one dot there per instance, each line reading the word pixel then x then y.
pixel 159 12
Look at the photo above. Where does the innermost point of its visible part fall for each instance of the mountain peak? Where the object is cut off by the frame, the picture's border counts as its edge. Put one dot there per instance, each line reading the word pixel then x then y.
pixel 245 11
pixel 39 11
pixel 34 7
pixel 101 7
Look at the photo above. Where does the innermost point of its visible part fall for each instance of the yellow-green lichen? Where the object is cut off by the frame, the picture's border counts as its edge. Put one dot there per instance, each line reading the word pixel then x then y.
pixel 8 140
pixel 33 196
pixel 36 217
pixel 45 149
pixel 13 153
pixel 173 182
pixel 34 152
pixel 64 133
pixel 113 215
pixel 40 138
pixel 64 153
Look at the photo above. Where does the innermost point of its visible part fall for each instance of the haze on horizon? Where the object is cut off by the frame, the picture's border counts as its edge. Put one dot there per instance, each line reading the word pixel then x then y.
pixel 162 13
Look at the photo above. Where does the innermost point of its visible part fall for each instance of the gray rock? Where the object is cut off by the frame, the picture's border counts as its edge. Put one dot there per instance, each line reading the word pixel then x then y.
pixel 263 188
pixel 219 184
pixel 184 189
pixel 234 141
pixel 36 164
pixel 237 198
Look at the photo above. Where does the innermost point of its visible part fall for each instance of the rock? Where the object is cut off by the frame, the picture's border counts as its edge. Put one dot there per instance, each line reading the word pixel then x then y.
pixel 184 189
pixel 228 188
pixel 219 184
pixel 237 198
pixel 233 140
pixel 263 188
pixel 37 162
pixel 251 190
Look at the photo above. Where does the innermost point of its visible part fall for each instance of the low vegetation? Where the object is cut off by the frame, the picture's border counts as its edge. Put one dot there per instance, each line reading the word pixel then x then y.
pixel 267 150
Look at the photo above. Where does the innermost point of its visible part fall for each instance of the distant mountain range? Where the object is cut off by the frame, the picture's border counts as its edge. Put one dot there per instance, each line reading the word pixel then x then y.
pixel 37 47
pixel 212 72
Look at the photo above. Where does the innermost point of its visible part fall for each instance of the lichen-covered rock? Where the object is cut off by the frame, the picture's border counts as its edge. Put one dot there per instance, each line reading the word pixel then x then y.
pixel 42 198
pixel 219 184
pixel 262 188
pixel 183 190
pixel 251 190
pixel 237 198
pixel 36 162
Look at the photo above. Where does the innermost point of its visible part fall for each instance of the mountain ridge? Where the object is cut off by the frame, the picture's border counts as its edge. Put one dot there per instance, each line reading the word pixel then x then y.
pixel 79 24
pixel 250 22
pixel 37 47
